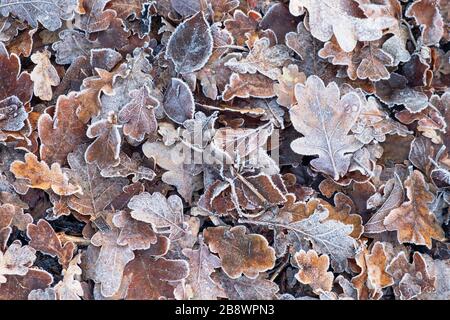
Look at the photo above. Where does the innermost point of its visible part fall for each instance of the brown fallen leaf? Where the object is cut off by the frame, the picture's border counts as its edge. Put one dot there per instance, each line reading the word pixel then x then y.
pixel 112 259
pixel 413 220
pixel 133 233
pixel 410 279
pixel 373 276
pixel 153 278
pixel 62 133
pixel 44 75
pixel 285 88
pixel 427 14
pixel 314 270
pixel 105 150
pixel 248 85
pixel 43 238
pixel 138 116
pixel 199 285
pixel 39 175
pixel 239 252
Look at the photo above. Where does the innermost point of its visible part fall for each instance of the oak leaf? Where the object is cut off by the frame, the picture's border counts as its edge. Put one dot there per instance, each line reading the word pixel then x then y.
pixel 285 88
pixel 246 28
pixel 427 14
pixel 105 150
pixel 328 237
pixel 395 91
pixel 129 166
pixel 43 238
pixel 138 116
pixel 97 192
pixel 40 176
pixel 239 252
pixel 13 81
pixel 19 287
pixel 89 96
pixel 70 288
pixel 393 197
pixel 153 278
pixel 93 15
pixel 373 276
pixel 160 212
pixel 16 260
pixel 199 284
pixel 262 58
pixel 413 220
pixel 62 133
pixel 325 120
pixel 367 61
pixel 244 288
pixel 248 85
pixel 313 270
pixel 111 261
pixel 49 13
pixel 12 114
pixel 341 19
pixel 44 75
pixel 410 279
pixel 133 233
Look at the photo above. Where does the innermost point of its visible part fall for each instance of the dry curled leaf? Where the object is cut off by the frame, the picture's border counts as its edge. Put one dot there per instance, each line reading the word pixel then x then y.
pixel 248 85
pixel 263 58
pixel 285 88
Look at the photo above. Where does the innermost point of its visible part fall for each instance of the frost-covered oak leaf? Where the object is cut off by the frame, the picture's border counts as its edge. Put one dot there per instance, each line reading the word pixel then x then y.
pixel 413 220
pixel 325 120
pixel 341 19
pixel 239 252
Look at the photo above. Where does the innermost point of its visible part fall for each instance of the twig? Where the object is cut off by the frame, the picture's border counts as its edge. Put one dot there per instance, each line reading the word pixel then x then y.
pixel 280 268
